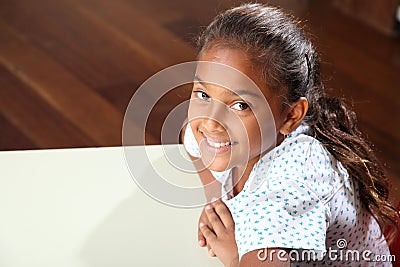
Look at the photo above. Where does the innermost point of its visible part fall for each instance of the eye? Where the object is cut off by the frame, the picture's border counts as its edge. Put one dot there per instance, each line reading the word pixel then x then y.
pixel 240 106
pixel 202 95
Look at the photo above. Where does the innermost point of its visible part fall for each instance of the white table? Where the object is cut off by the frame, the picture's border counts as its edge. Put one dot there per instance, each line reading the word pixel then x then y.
pixel 81 207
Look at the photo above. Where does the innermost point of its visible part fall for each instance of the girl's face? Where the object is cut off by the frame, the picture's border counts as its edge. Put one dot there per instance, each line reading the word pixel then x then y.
pixel 227 111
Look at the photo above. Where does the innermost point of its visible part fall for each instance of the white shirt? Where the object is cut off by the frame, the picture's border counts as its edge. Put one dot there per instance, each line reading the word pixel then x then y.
pixel 298 196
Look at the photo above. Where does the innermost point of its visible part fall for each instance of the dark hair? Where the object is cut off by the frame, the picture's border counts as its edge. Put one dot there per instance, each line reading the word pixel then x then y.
pixel 289 63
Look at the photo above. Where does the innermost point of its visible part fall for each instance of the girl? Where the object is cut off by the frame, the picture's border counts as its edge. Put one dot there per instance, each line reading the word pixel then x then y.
pixel 319 188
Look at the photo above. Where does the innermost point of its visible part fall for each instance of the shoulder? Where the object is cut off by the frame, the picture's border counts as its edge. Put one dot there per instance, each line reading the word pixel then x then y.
pixel 281 213
pixel 304 160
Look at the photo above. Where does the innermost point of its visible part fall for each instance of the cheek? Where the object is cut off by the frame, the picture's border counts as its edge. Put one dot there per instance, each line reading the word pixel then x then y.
pixel 249 131
pixel 251 138
pixel 254 135
pixel 263 129
pixel 277 114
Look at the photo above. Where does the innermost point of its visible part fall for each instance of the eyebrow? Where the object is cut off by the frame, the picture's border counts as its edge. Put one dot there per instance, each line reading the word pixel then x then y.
pixel 239 92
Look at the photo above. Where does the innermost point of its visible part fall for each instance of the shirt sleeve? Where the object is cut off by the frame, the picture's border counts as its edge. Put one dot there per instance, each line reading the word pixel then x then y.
pixel 282 213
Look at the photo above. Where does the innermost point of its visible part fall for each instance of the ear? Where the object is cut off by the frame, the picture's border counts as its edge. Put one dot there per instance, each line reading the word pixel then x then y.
pixel 295 115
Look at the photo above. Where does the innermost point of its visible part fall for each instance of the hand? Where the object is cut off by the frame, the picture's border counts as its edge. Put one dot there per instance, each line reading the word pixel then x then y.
pixel 221 235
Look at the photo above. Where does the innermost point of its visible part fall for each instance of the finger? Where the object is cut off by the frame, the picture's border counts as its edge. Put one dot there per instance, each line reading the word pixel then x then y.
pixel 200 237
pixel 208 234
pixel 224 214
pixel 211 253
pixel 214 220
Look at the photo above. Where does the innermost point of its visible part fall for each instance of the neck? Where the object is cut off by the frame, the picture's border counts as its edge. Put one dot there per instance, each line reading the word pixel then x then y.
pixel 240 175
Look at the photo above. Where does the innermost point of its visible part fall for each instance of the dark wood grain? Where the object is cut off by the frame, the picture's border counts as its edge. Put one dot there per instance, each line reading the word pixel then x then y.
pixel 35 118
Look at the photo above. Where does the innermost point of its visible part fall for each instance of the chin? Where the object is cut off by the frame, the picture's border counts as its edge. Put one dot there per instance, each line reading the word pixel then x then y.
pixel 217 169
pixel 218 166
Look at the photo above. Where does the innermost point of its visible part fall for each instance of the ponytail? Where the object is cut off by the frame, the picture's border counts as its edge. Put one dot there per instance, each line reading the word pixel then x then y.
pixel 336 128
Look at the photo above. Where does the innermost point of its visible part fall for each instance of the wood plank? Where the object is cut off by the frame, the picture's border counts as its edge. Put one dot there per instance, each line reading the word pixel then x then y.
pixel 119 94
pixel 372 73
pixel 372 76
pixel 360 75
pixel 86 50
pixel 370 42
pixel 117 47
pixel 86 109
pixel 11 138
pixel 160 43
pixel 378 14
pixel 165 12
pixel 371 106
pixel 163 109
pixel 38 121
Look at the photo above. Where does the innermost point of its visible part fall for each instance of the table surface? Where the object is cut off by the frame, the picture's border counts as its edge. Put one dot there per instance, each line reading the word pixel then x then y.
pixel 81 207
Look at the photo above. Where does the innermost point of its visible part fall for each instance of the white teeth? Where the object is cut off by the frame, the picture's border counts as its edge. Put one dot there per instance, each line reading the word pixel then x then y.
pixel 217 145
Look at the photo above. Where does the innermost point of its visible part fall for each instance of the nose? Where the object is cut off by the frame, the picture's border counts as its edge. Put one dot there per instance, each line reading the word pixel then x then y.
pixel 211 125
pixel 214 121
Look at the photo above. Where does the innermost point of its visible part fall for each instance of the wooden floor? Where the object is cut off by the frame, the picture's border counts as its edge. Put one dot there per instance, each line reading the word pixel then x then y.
pixel 68 68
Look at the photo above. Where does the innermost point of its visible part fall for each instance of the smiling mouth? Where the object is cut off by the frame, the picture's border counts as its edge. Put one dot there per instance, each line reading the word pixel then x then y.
pixel 217 144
